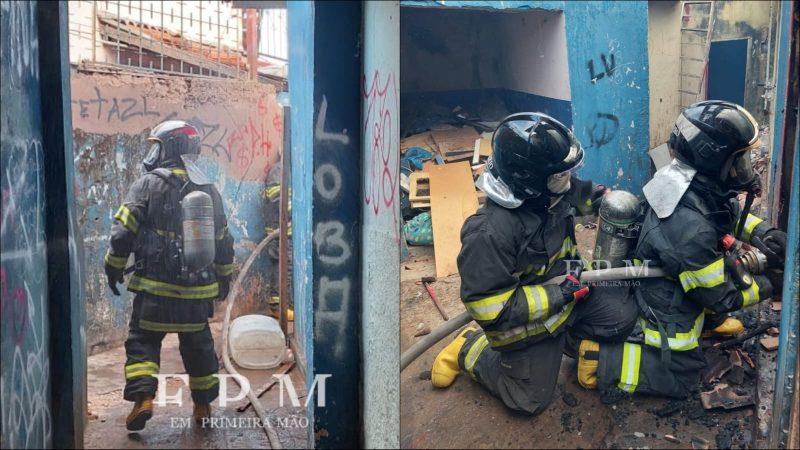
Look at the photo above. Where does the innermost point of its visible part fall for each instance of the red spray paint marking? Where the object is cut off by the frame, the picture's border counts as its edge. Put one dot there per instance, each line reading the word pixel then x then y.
pixel 383 179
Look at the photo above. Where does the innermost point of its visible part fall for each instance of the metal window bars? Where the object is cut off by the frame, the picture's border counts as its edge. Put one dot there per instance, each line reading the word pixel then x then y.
pixel 203 38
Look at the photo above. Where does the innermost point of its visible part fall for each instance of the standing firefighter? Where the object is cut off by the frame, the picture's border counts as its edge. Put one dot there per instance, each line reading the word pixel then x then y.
pixel 692 206
pixel 522 236
pixel 173 222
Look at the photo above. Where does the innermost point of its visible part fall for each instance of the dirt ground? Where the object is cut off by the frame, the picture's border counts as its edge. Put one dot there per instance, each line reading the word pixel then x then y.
pixel 466 416
pixel 169 427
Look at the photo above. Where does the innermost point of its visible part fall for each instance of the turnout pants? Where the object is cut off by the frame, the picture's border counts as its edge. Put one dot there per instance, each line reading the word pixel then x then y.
pixel 525 379
pixel 633 367
pixel 143 352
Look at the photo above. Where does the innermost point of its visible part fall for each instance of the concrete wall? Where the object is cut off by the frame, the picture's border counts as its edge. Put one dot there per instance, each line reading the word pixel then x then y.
pixel 241 124
pixel 489 62
pixel 27 420
pixel 737 20
pixel 608 79
pixel 664 56
pixel 380 272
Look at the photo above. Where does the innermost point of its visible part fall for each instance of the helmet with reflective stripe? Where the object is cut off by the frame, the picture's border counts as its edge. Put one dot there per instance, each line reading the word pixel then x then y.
pixel 170 140
pixel 715 137
pixel 528 148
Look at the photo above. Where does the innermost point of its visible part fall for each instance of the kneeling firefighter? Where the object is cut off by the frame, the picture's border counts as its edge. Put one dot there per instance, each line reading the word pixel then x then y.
pixel 173 222
pixel 693 214
pixel 522 236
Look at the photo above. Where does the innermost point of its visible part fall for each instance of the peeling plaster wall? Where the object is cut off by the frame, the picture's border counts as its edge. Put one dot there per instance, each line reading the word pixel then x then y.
pixel 241 125
pixel 738 20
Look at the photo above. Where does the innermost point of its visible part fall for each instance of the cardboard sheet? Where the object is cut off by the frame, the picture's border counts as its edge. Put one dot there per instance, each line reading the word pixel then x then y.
pixel 453 199
pixel 455 139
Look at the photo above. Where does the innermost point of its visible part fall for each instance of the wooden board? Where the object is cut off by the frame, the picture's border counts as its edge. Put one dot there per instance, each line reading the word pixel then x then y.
pixel 453 199
pixel 423 140
pixel 455 139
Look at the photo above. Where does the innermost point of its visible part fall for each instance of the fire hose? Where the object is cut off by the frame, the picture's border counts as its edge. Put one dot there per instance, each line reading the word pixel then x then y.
pixel 619 273
pixel 272 436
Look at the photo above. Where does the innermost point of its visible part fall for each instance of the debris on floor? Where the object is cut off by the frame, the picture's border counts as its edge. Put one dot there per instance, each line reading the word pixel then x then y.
pixel 438 192
pixel 724 396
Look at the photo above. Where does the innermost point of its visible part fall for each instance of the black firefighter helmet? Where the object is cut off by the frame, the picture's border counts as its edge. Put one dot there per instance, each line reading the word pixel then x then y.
pixel 528 149
pixel 175 143
pixel 715 137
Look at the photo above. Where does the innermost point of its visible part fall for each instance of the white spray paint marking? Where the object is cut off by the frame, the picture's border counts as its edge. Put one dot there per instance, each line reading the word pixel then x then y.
pixel 320 132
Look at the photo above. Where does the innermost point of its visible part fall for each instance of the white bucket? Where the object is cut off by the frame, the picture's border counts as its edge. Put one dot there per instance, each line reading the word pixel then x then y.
pixel 256 342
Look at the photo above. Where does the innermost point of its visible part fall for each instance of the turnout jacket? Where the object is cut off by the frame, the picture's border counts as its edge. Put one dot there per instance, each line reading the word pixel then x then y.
pixel 148 224
pixel 687 246
pixel 505 256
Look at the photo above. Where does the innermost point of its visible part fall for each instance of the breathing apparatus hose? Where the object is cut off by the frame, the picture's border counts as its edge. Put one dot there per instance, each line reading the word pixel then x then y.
pixel 748 203
pixel 272 436
pixel 618 273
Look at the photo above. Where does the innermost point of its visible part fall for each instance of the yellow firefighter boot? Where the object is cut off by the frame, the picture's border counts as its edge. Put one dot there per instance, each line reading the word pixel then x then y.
pixel 142 412
pixel 730 327
pixel 588 360
pixel 445 366
pixel 201 411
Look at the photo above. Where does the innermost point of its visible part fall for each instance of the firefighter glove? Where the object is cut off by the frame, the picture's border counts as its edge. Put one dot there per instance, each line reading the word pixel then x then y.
pixel 571 289
pixel 114 276
pixel 775 240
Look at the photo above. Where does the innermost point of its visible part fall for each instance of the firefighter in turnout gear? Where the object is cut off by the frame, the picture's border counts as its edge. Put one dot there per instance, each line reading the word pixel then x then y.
pixel 692 206
pixel 522 236
pixel 173 223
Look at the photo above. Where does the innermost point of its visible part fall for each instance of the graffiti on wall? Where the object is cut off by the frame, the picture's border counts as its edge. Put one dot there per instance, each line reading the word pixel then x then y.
pixel 381 138
pixel 25 376
pixel 240 127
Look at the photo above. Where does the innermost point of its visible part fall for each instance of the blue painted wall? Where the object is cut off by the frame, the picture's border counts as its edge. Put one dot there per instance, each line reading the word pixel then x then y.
pixel 610 100
pixel 24 323
pixel 608 77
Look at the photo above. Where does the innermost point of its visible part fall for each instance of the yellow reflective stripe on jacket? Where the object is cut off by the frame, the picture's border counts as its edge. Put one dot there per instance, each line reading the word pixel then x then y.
pixel 171 327
pixel 127 219
pixel 474 353
pixel 272 192
pixel 224 269
pixel 707 277
pixel 681 341
pixel 488 308
pixel 750 223
pixel 750 295
pixel 179 171
pixel 518 333
pixel 165 233
pixel 537 302
pixel 159 288
pixel 568 248
pixel 631 361
pixel 140 369
pixel 221 233
pixel 203 383
pixel 555 321
pixel 117 262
